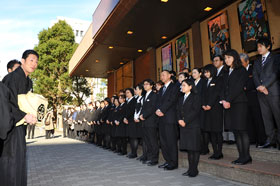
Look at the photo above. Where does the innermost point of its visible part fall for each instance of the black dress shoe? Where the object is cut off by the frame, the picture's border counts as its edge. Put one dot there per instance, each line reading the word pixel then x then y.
pixel 249 160
pixel 132 156
pixel 152 163
pixel 193 174
pixel 170 167
pixel 163 165
pixel 267 145
pixel 218 157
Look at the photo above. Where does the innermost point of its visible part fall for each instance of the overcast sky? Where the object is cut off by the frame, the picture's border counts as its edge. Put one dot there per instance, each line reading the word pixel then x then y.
pixel 22 20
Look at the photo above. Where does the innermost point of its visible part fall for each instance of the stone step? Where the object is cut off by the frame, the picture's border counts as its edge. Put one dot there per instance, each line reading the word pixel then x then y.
pixel 271 154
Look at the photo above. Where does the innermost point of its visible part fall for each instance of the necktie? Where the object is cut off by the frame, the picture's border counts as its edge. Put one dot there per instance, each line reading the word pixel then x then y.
pixel 163 90
pixel 185 97
pixel 263 61
pixel 208 82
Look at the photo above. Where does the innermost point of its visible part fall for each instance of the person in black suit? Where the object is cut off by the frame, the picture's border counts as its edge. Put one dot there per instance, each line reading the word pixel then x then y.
pixel 98 127
pixel 188 111
pixel 234 101
pixel 198 80
pixel 121 128
pixel 112 119
pixel 213 111
pixel 150 124
pixel 133 130
pixel 266 78
pixel 168 129
pixel 256 129
pixel 218 62
pixel 106 126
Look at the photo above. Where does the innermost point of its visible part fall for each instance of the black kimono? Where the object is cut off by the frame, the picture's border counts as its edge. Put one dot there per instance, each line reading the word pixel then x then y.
pixel 13 160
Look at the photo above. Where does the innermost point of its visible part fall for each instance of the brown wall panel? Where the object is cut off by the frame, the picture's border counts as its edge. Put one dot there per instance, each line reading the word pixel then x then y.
pixel 145 67
pixel 111 84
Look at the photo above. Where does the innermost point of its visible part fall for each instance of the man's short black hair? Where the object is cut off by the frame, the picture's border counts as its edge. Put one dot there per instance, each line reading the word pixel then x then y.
pixel 265 41
pixel 12 63
pixel 173 73
pixel 219 56
pixel 166 71
pixel 151 82
pixel 26 53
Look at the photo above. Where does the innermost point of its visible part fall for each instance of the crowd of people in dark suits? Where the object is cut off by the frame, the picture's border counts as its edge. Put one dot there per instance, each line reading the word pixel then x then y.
pixel 229 95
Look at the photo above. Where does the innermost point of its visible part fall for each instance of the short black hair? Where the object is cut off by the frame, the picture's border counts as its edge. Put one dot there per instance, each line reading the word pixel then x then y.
pixel 186 75
pixel 26 53
pixel 189 70
pixel 265 41
pixel 219 56
pixel 140 87
pixel 190 83
pixel 236 62
pixel 130 90
pixel 198 69
pixel 210 68
pixel 151 82
pixel 108 100
pixel 122 96
pixel 12 63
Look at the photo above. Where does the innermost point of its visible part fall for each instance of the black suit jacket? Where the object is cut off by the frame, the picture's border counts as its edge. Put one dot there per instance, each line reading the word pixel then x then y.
pixel 149 109
pixel 268 75
pixel 190 110
pixel 233 86
pixel 130 109
pixel 166 103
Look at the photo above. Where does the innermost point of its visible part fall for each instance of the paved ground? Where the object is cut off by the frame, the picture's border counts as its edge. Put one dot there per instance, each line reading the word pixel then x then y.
pixel 67 162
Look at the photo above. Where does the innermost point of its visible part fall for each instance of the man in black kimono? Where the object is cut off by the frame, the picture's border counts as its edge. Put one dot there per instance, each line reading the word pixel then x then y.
pixel 13 159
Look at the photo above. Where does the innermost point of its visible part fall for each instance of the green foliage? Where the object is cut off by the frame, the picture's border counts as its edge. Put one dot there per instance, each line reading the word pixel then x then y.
pixel 51 79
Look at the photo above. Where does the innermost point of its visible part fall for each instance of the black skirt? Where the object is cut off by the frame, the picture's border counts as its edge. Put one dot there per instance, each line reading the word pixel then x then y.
pixel 134 130
pixel 190 138
pixel 121 130
pixel 213 119
pixel 236 117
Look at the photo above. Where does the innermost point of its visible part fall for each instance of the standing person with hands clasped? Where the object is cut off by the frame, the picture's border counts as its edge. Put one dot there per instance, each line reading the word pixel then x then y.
pixel 234 101
pixel 13 169
pixel 188 111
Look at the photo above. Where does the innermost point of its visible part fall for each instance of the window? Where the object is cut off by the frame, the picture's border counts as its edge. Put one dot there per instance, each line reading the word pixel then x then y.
pixel 77 32
pixel 82 33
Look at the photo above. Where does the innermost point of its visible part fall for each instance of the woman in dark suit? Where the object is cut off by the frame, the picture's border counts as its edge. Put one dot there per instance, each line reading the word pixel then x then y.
pixel 140 92
pixel 188 111
pixel 121 127
pixel 213 110
pixel 105 126
pixel 133 130
pixel 98 128
pixel 234 101
pixel 113 117
pixel 198 80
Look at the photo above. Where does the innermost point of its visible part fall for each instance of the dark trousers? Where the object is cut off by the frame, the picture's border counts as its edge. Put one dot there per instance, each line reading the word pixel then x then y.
pixel 107 141
pixel 243 145
pixel 48 134
pixel 255 128
pixel 99 138
pixel 151 141
pixel 13 169
pixel 168 135
pixel 30 129
pixel 65 131
pixel 270 108
pixel 217 142
pixel 193 159
pixel 205 138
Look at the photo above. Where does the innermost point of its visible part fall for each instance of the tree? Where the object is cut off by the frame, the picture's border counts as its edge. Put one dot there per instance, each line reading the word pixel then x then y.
pixel 80 89
pixel 51 79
